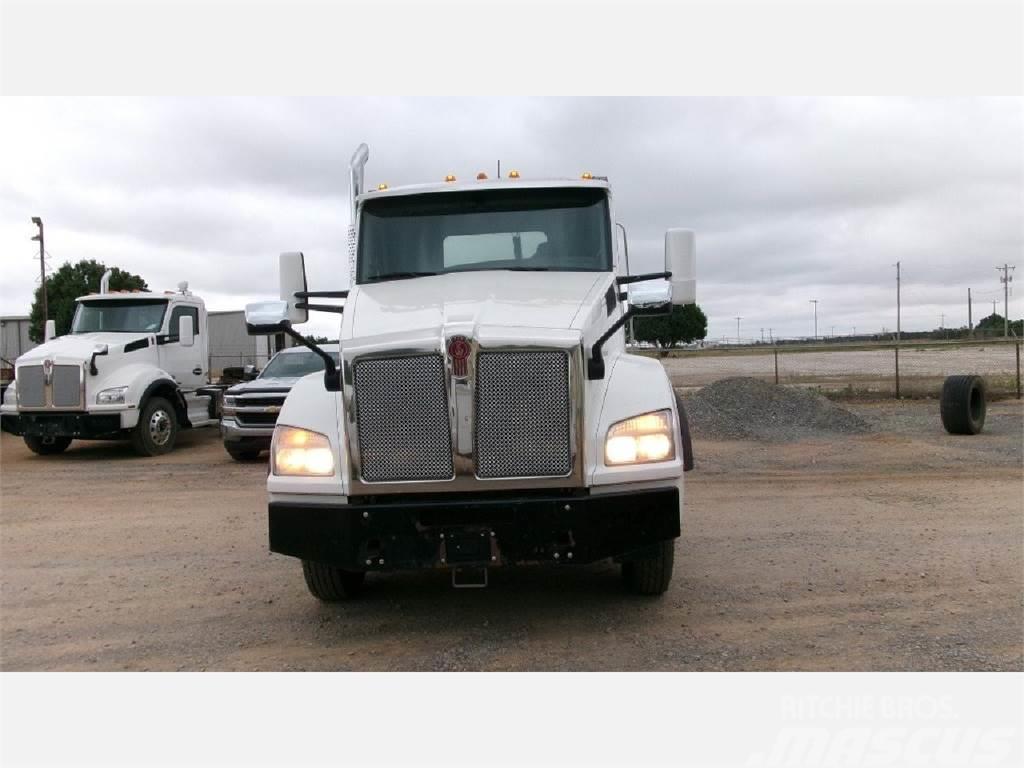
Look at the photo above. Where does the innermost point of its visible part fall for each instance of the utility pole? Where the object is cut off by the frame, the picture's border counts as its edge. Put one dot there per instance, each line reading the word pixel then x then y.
pixel 1005 280
pixel 833 334
pixel 815 303
pixel 970 314
pixel 771 339
pixel 738 329
pixel 762 335
pixel 42 266
pixel 942 322
pixel 898 324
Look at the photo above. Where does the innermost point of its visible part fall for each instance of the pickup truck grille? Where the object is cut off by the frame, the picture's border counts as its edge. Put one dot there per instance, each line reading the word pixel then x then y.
pixel 402 418
pixel 523 415
pixel 31 386
pixel 64 390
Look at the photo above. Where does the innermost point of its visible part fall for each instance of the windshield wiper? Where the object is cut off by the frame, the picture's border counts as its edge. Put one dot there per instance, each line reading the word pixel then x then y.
pixel 527 269
pixel 399 276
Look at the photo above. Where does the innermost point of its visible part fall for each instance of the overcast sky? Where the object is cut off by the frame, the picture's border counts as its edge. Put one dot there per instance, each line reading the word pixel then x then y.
pixel 791 199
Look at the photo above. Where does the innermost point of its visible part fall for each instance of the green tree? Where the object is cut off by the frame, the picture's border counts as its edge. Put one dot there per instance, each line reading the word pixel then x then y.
pixel 684 325
pixel 67 284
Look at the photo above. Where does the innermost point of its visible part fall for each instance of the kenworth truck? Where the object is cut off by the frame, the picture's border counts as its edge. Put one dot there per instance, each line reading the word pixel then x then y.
pixel 134 365
pixel 485 411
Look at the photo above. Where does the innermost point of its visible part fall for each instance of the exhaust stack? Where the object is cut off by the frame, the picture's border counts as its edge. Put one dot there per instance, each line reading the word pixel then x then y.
pixel 105 282
pixel 355 171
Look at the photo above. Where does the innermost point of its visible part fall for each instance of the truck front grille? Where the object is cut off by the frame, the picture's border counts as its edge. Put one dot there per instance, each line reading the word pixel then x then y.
pixel 522 415
pixel 402 418
pixel 31 386
pixel 67 386
pixel 256 418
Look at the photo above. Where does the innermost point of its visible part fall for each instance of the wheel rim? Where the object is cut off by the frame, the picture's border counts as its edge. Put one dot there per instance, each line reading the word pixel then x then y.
pixel 160 427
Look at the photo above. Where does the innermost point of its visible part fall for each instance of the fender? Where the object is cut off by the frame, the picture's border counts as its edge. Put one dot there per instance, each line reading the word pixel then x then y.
pixel 628 376
pixel 167 384
pixel 310 406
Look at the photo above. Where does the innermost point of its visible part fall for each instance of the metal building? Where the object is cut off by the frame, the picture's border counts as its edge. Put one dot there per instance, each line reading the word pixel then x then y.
pixel 232 346
pixel 14 340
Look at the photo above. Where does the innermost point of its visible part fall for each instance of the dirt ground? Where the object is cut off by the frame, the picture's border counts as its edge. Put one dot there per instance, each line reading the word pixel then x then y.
pixel 898 550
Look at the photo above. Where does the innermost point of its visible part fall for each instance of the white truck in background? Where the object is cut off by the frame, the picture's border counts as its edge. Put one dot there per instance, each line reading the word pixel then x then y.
pixel 133 366
pixel 485 411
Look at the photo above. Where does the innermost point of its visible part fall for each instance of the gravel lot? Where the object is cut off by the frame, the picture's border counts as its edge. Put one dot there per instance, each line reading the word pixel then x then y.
pixel 899 549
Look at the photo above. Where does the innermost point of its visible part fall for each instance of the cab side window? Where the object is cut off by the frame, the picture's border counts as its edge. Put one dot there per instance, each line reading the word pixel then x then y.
pixel 176 314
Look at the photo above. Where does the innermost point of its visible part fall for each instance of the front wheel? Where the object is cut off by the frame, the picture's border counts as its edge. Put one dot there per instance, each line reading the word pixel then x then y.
pixel 242 454
pixel 650 572
pixel 157 428
pixel 47 446
pixel 331 584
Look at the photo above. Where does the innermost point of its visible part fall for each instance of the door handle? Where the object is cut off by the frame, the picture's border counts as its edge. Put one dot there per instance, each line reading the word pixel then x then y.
pixel 197 371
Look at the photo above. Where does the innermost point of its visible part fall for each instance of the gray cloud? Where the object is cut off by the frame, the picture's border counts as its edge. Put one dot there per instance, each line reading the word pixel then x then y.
pixel 792 199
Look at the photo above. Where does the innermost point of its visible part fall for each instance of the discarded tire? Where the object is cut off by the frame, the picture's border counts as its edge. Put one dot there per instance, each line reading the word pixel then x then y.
pixel 963 405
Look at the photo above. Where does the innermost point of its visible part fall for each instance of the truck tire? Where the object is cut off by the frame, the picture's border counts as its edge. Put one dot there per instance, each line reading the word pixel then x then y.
pixel 47 446
pixel 650 573
pixel 242 454
pixel 157 428
pixel 331 584
pixel 963 405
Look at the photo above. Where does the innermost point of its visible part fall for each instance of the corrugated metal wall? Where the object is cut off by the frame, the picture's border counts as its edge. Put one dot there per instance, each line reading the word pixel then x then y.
pixel 231 345
pixel 14 340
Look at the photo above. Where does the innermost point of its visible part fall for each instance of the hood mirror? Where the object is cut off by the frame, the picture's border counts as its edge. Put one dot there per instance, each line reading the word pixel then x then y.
pixel 249 372
pixel 263 317
pixel 651 298
pixel 50 330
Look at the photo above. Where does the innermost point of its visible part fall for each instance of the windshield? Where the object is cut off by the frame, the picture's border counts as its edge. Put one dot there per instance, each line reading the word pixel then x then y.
pixel 119 316
pixel 292 365
pixel 522 229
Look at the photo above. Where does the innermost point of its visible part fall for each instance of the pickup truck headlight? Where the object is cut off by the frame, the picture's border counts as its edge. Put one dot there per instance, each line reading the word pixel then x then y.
pixel 111 396
pixel 300 453
pixel 642 439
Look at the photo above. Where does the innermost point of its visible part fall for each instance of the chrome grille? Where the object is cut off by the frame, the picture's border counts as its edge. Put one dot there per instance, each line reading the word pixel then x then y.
pixel 522 414
pixel 31 386
pixel 67 386
pixel 402 419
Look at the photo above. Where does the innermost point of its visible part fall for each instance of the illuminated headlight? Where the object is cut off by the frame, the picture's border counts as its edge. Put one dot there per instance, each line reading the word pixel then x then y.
pixel 641 440
pixel 299 452
pixel 111 396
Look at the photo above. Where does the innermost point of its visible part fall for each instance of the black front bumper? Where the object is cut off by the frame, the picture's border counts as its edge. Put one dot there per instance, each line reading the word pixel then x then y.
pixel 79 425
pixel 447 532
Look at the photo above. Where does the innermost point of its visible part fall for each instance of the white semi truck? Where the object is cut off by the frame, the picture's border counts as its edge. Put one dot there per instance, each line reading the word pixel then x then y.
pixel 134 365
pixel 485 411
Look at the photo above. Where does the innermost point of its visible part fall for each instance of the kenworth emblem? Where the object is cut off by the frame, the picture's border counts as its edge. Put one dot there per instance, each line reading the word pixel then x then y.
pixel 48 370
pixel 458 353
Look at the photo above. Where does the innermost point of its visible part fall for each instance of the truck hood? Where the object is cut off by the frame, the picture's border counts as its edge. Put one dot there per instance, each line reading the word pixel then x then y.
pixel 549 300
pixel 78 347
pixel 272 382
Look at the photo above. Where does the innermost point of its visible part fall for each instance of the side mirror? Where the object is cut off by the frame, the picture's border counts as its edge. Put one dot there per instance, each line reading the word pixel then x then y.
pixel 681 261
pixel 186 333
pixel 49 330
pixel 293 280
pixel 651 298
pixel 263 317
pixel 249 372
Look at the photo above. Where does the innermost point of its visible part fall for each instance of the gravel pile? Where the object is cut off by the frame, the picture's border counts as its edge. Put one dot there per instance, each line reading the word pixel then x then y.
pixel 751 409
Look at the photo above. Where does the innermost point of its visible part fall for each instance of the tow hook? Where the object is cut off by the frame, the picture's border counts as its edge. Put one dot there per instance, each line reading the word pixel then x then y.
pixel 469 578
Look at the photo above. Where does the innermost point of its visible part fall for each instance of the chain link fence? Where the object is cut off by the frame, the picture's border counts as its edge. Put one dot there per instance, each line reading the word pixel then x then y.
pixel 853 370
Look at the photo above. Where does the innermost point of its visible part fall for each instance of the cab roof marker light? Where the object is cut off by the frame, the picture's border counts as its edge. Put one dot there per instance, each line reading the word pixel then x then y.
pixel 513 174
pixel 587 175
pixel 450 177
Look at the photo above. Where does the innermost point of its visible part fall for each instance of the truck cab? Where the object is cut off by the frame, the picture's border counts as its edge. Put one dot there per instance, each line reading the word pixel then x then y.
pixel 485 412
pixel 134 365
